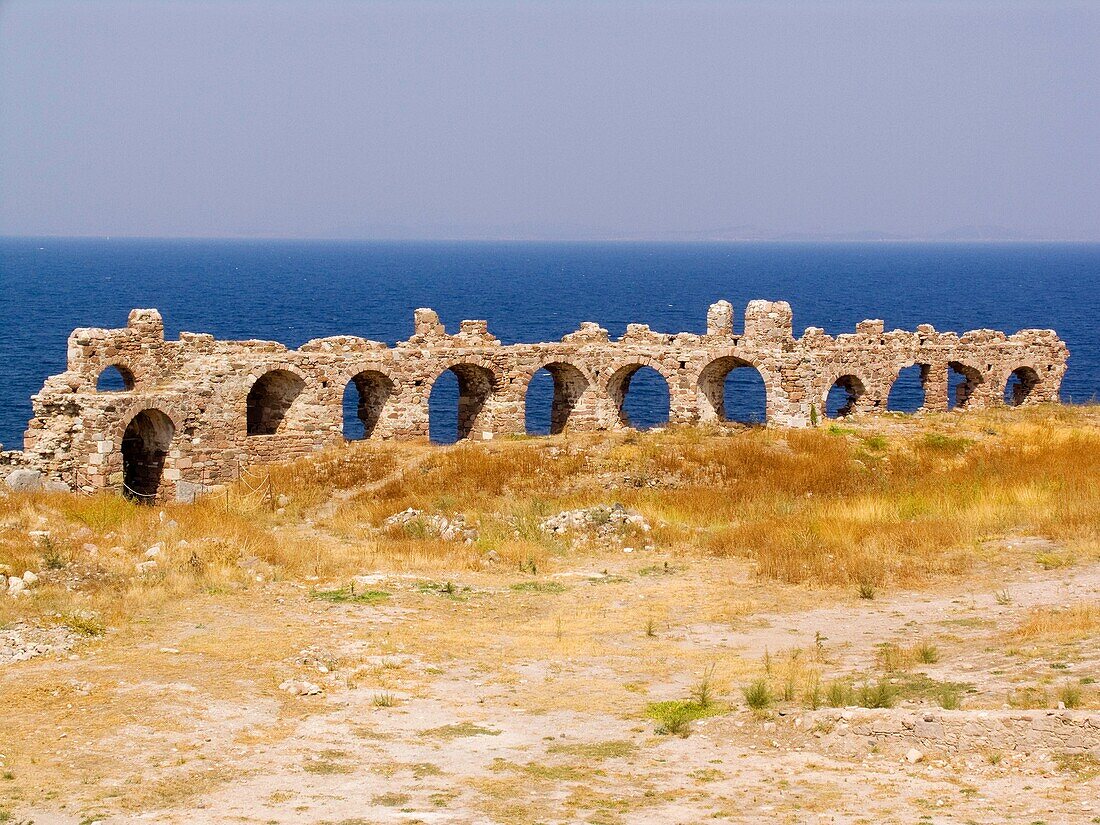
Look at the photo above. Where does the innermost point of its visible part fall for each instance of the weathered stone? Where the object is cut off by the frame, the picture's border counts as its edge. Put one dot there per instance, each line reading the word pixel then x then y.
pixel 25 480
pixel 196 412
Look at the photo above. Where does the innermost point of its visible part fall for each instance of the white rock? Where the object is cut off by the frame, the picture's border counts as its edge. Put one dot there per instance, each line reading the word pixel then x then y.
pixel 25 480
pixel 145 567
pixel 29 577
pixel 153 552
pixel 16 586
pixel 300 688
pixel 913 756
pixel 90 549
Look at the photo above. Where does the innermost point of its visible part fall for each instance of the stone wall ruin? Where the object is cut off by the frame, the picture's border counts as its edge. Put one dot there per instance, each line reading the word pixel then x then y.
pixel 194 412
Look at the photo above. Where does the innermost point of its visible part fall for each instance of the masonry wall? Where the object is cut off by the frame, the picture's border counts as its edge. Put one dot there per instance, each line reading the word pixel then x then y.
pixel 194 393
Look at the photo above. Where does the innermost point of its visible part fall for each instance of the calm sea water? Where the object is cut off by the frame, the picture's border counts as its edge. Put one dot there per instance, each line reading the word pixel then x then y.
pixel 294 291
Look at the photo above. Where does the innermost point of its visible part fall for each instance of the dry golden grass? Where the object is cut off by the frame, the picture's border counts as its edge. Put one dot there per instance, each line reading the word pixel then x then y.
pixel 882 502
pixel 1078 621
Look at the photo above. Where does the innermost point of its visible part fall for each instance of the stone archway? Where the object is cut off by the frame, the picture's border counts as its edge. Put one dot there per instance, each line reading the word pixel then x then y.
pixel 372 389
pixel 115 378
pixel 145 444
pixel 963 382
pixel 843 396
pixel 269 399
pixel 1020 385
pixel 909 389
pixel 659 390
pixel 714 381
pixel 569 384
pixel 476 385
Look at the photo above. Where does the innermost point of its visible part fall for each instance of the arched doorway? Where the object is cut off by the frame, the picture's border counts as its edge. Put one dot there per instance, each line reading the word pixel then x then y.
pixel 115 378
pixel 843 396
pixel 457 401
pixel 641 395
pixel 145 445
pixel 365 397
pixel 1019 386
pixel 962 381
pixel 907 392
pixel 552 394
pixel 734 390
pixel 269 399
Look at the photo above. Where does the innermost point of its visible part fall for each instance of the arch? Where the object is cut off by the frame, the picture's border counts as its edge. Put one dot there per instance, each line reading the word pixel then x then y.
pixel 115 378
pixel 567 385
pixel 652 399
pixel 269 399
pixel 734 390
pixel 1019 386
pixel 473 384
pixel 145 444
pixel 909 388
pixel 365 396
pixel 962 382
pixel 843 396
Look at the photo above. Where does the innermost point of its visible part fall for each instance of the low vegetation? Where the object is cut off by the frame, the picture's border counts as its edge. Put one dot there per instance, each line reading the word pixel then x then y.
pixel 892 563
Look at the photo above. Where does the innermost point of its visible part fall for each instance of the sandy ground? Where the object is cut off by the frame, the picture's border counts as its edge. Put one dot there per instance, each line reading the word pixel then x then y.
pixel 497 704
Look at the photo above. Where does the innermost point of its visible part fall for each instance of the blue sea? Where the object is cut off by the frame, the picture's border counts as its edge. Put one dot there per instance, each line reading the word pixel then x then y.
pixel 292 291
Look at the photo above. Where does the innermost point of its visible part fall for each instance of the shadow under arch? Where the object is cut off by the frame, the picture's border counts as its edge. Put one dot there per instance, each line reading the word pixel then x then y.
pixel 1019 386
pixel 648 405
pixel 735 390
pixel 469 388
pixel 963 381
pixel 145 445
pixel 566 386
pixel 269 399
pixel 843 395
pixel 364 399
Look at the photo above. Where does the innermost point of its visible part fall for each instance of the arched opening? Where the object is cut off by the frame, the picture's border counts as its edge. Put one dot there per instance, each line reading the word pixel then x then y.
pixel 907 392
pixel 364 398
pixel 962 381
pixel 1019 386
pixel 641 395
pixel 552 394
pixel 735 391
pixel 115 378
pixel 843 397
pixel 457 401
pixel 144 447
pixel 270 398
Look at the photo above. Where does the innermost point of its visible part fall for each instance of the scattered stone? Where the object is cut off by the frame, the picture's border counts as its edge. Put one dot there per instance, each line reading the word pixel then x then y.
pixel 605 522
pixel 144 568
pixel 417 521
pixel 153 552
pixel 21 641
pixel 913 756
pixel 29 577
pixel 16 585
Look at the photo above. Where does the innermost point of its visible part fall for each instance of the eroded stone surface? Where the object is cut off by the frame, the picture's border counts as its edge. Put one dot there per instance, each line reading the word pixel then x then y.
pixel 196 411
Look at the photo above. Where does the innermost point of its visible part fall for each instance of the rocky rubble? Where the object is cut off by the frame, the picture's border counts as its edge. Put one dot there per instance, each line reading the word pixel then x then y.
pixel 603 521
pixel 21 641
pixel 416 521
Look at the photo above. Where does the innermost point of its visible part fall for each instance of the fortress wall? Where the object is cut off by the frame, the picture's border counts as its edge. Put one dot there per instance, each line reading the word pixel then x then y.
pixel 198 411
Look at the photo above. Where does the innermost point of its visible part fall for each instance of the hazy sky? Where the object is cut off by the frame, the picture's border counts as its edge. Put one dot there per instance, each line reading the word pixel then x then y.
pixel 546 119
